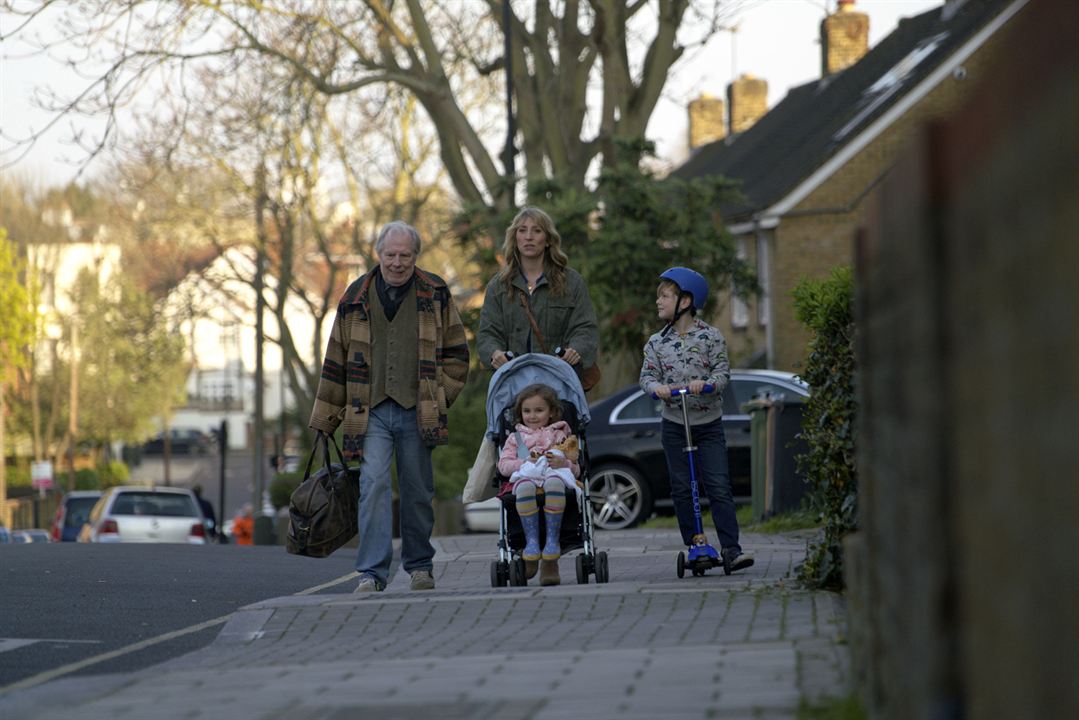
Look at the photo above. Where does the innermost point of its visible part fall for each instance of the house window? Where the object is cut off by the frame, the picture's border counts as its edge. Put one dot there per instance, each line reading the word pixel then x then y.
pixel 739 309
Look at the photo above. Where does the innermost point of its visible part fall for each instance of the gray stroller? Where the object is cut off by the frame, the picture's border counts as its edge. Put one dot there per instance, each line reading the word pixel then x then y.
pixel 577 526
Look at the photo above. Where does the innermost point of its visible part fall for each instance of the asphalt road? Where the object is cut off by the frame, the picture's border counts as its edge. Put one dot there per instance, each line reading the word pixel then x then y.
pixel 64 604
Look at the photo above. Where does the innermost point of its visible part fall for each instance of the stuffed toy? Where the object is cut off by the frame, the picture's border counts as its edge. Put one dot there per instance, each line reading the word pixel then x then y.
pixel 568 448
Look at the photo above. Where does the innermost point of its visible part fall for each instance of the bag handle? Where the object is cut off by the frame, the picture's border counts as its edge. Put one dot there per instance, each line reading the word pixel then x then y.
pixel 532 320
pixel 325 439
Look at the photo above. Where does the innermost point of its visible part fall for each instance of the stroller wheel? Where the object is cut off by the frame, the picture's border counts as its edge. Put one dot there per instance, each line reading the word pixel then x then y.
pixel 681 568
pixel 582 570
pixel 517 573
pixel 499 573
pixel 602 571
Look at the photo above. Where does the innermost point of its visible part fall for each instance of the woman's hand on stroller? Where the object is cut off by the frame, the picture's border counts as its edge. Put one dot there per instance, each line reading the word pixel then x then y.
pixel 568 354
pixel 500 358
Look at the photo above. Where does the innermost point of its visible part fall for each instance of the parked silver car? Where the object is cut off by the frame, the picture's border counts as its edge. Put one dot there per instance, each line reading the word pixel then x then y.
pixel 145 515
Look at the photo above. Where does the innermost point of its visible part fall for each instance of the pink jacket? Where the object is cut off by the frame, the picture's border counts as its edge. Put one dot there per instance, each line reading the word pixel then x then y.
pixel 535 440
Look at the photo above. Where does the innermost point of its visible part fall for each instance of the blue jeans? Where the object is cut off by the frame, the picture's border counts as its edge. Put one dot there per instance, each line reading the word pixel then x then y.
pixel 713 479
pixel 393 431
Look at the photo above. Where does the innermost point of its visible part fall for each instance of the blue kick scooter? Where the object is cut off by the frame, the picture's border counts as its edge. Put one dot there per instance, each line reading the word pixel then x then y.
pixel 702 556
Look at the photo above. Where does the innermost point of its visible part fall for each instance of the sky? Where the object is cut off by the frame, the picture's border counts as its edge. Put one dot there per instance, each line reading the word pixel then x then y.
pixel 775 39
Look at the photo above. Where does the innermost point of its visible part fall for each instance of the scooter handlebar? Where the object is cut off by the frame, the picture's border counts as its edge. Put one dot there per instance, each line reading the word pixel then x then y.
pixel 708 388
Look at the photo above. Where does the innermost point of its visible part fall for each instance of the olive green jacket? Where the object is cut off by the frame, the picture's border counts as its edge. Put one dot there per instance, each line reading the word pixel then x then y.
pixel 567 320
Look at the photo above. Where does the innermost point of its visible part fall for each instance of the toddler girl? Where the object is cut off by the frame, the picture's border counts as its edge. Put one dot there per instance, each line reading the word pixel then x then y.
pixel 539 428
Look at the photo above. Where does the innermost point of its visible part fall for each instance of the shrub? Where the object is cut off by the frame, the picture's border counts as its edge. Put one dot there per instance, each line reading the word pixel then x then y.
pixel 18 476
pixel 85 479
pixel 824 306
pixel 468 420
pixel 114 472
pixel 282 487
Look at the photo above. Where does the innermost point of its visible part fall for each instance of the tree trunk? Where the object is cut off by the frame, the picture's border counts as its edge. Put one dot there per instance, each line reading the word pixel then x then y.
pixel 5 520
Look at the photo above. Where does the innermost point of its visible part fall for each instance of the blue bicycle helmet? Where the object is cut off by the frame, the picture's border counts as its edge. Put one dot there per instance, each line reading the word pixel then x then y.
pixel 689 281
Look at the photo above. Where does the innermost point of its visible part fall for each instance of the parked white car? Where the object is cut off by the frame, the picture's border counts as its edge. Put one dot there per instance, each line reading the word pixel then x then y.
pixel 133 514
pixel 483 516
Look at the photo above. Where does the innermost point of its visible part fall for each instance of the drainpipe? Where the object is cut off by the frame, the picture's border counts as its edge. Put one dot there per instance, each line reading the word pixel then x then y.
pixel 764 260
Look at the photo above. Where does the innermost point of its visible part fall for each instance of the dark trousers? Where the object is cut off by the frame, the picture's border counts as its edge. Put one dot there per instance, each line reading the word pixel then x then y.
pixel 713 479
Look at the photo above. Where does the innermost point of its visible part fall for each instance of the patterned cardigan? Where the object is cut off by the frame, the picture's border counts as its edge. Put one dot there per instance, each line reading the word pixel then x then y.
pixel 344 390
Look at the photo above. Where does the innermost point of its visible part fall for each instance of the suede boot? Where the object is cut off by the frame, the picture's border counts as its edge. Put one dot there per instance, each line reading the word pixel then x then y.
pixel 548 572
pixel 552 549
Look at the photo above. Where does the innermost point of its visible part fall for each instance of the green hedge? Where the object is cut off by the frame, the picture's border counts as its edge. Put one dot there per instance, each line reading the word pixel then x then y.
pixel 282 487
pixel 824 306
pixel 468 420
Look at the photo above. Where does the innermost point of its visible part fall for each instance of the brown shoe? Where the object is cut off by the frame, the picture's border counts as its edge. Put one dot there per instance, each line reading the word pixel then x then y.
pixel 548 572
pixel 531 568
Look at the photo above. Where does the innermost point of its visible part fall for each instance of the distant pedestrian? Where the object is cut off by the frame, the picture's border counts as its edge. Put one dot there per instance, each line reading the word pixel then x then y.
pixel 690 353
pixel 243 526
pixel 396 360
pixel 212 531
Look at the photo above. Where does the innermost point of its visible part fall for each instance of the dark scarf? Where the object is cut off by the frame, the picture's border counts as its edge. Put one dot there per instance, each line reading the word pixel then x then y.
pixel 391 295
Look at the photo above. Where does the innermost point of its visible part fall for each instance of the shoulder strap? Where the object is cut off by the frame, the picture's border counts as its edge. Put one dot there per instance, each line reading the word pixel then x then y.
pixel 522 449
pixel 532 320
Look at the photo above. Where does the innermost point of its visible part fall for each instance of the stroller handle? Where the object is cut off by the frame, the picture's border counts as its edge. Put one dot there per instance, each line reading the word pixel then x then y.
pixel 708 388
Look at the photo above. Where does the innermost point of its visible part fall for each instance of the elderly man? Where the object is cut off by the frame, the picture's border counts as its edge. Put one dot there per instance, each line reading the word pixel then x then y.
pixel 396 360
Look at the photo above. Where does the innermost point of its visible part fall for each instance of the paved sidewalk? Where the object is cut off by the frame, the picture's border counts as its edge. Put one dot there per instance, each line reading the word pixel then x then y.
pixel 646 645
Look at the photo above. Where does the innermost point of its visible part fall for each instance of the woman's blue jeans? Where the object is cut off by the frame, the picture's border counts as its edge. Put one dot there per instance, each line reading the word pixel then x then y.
pixel 392 431
pixel 713 479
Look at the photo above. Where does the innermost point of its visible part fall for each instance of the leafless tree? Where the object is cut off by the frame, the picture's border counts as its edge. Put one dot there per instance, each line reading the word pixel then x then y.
pixel 567 58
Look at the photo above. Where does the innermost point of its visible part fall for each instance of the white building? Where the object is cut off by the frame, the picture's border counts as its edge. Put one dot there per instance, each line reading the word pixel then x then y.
pixel 218 307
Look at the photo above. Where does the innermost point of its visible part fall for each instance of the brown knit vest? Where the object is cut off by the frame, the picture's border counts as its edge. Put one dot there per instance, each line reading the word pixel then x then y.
pixel 395 350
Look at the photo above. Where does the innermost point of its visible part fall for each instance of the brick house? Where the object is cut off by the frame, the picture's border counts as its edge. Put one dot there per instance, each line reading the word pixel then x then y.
pixel 807 165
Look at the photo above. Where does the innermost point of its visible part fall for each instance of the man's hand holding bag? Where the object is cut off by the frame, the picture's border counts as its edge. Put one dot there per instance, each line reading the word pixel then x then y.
pixel 323 509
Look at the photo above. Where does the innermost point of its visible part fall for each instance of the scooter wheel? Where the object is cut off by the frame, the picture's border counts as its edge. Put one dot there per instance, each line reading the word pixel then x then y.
pixel 681 565
pixel 726 566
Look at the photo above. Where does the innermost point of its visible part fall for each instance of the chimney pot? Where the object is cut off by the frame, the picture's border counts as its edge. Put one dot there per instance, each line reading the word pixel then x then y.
pixel 747 98
pixel 706 121
pixel 844 38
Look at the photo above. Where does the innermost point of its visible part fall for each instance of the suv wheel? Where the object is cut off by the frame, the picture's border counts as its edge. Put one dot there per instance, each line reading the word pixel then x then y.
pixel 620 498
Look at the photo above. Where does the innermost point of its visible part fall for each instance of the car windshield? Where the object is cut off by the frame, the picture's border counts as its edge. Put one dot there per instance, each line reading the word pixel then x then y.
pixel 160 504
pixel 78 509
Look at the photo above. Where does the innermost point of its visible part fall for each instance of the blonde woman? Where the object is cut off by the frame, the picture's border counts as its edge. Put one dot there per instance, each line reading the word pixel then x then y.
pixel 536 279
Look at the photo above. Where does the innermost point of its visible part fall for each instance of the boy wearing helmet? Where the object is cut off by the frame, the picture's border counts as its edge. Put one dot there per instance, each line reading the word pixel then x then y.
pixel 690 353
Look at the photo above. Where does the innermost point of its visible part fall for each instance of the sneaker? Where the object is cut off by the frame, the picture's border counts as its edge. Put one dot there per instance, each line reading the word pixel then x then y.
pixel 422 580
pixel 737 559
pixel 368 584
